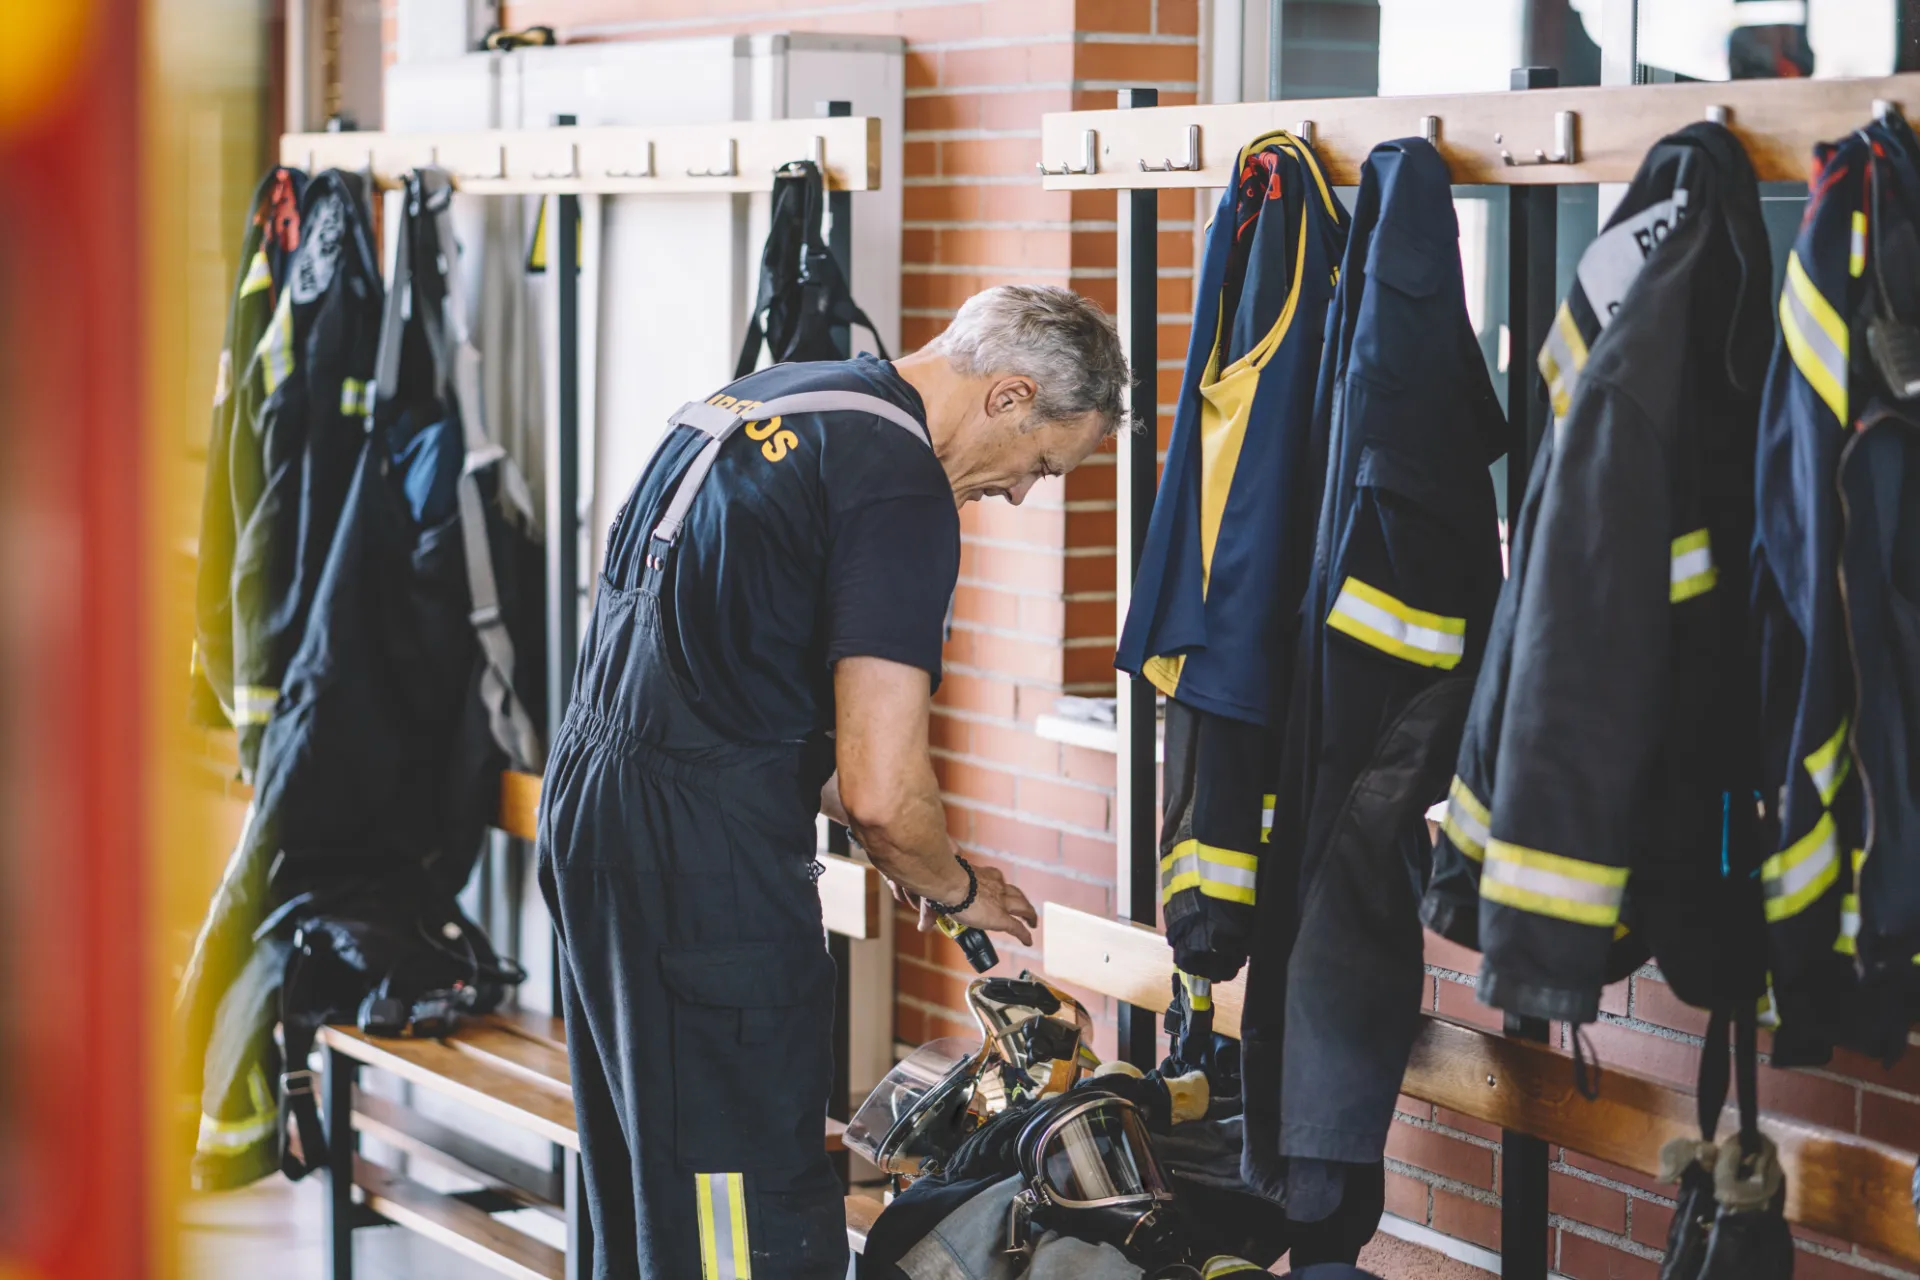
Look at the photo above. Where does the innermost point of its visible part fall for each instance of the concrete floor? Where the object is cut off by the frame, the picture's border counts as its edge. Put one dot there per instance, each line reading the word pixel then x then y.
pixel 274 1228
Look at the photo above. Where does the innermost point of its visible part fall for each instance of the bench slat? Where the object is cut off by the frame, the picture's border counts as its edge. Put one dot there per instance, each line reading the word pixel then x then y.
pixel 1840 1184
pixel 862 1211
pixel 432 1064
pixel 851 895
pixel 510 1051
pixel 407 1130
pixel 461 1227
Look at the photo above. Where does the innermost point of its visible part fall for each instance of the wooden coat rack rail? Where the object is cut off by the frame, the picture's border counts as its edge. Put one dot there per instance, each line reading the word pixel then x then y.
pixel 1530 140
pixel 740 156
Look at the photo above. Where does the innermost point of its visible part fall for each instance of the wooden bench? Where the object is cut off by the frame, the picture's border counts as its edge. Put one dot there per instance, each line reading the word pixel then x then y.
pixel 512 1069
pixel 1838 1184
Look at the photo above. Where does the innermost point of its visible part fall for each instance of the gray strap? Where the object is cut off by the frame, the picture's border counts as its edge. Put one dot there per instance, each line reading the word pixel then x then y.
pixel 720 423
pixel 507 715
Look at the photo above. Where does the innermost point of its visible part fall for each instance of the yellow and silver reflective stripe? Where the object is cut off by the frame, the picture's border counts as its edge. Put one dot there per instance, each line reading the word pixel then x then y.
pixel 1794 878
pixel 1562 358
pixel 1222 1267
pixel 225 1137
pixel 356 397
pixel 1225 874
pixel 1266 818
pixel 253 703
pixel 1199 991
pixel 1468 824
pixel 1765 1014
pixel 1816 337
pixel 723 1226
pixel 259 275
pixel 1830 763
pixel 1373 617
pixel 276 345
pixel 1857 245
pixel 1848 943
pixel 1691 570
pixel 223 377
pixel 1550 885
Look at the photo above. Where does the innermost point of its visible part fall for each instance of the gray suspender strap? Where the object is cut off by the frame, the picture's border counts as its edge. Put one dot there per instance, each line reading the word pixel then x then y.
pixel 719 423
pixel 458 372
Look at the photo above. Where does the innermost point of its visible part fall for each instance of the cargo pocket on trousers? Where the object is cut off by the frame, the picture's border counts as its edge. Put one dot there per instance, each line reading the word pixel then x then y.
pixel 751 1046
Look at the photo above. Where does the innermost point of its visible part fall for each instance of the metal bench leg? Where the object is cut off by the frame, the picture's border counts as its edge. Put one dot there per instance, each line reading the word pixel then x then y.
pixel 579 1222
pixel 338 1075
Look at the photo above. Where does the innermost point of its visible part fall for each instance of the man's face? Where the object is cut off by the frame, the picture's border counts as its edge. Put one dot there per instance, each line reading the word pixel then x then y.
pixel 1024 457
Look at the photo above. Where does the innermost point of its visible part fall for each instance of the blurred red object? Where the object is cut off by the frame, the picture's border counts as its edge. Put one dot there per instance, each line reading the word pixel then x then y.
pixel 78 1088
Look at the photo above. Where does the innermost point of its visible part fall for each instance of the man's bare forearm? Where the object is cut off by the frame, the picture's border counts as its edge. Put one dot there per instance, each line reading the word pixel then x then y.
pixel 911 848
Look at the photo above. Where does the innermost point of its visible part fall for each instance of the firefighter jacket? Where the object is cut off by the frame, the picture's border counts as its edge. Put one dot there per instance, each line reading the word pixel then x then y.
pixel 289 416
pixel 1228 541
pixel 1835 579
pixel 1612 730
pixel 1406 569
pixel 1231 537
pixel 380 763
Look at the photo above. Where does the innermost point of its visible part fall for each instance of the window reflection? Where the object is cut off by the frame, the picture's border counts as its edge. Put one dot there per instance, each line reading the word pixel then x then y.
pixel 1764 39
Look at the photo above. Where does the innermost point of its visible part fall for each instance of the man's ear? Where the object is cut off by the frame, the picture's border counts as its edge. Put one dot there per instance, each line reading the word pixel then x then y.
pixel 1011 394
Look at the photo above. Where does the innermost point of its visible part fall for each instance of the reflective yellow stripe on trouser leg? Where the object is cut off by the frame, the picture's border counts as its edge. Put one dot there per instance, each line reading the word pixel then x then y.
pixel 724 1254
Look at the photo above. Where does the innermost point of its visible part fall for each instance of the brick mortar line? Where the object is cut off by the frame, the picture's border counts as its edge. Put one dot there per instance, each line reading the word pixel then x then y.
pixel 1060 869
pixel 1441 1182
pixel 1114 86
pixel 1021 771
pixel 1600 1235
pixel 1074 506
pixel 999 811
pixel 1001 677
pixel 1090 597
pixel 1601 1180
pixel 1090 642
pixel 1434 1126
pixel 1025 593
pixel 1008 544
pixel 1004 633
pixel 927 1006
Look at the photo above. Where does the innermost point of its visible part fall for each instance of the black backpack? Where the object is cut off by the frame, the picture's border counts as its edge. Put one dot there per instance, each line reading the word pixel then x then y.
pixel 803 293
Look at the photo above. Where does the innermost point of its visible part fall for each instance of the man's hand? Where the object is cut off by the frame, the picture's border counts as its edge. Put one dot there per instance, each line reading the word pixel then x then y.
pixel 998 907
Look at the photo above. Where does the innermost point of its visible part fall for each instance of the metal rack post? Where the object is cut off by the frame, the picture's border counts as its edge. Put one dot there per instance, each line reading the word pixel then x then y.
pixel 1137 803
pixel 1531 230
pixel 840 1101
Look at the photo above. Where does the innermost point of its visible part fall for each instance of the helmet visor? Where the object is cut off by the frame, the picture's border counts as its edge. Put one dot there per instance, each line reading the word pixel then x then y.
pixel 1099 1154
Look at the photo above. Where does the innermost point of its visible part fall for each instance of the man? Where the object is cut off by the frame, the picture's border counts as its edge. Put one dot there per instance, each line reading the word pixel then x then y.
pixel 773 606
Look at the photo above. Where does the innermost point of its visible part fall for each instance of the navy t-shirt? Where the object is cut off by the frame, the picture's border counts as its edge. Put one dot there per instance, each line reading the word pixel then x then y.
pixel 823 537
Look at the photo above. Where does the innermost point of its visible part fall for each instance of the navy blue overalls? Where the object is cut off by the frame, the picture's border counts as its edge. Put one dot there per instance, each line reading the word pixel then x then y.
pixel 678 866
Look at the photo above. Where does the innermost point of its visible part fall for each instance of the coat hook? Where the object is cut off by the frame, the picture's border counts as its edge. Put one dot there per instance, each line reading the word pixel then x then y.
pixel 1885 107
pixel 819 156
pixel 1190 165
pixel 573 172
pixel 1565 144
pixel 1304 132
pixel 640 173
pixel 1089 158
pixel 309 162
pixel 1719 114
pixel 1430 130
pixel 733 165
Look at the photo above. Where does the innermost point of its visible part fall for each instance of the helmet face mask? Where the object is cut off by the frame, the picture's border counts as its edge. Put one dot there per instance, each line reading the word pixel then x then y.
pixel 1038 1041
pixel 1091 1172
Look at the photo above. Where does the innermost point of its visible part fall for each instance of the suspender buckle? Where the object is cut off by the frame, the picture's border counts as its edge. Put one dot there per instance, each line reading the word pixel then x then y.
pixel 485 617
pixel 297 1084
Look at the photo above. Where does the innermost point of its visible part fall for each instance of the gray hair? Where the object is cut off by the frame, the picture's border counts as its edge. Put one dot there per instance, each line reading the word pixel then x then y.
pixel 1066 344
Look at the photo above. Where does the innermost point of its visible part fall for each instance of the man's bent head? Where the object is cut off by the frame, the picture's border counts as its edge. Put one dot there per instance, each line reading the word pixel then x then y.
pixel 1026 382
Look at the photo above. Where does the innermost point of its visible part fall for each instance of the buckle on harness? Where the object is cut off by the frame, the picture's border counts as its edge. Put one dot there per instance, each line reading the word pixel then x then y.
pixel 485 617
pixel 297 1084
